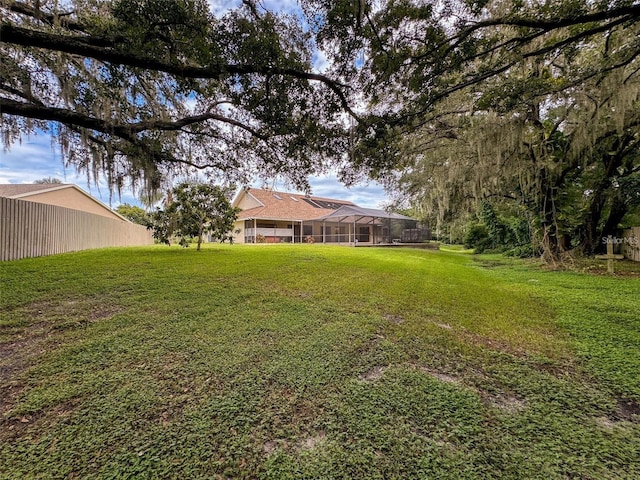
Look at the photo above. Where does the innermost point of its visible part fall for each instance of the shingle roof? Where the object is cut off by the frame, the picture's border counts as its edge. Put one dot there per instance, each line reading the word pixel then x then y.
pixel 290 206
pixel 11 190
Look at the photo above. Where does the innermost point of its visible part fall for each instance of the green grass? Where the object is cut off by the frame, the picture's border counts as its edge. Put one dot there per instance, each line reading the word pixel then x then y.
pixel 304 361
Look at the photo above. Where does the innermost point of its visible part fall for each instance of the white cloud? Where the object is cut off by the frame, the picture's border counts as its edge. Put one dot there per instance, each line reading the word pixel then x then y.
pixel 35 158
pixel 320 61
pixel 369 195
pixel 285 6
pixel 220 7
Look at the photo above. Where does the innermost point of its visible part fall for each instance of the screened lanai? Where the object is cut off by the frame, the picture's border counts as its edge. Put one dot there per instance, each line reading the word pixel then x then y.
pixel 278 217
pixel 358 225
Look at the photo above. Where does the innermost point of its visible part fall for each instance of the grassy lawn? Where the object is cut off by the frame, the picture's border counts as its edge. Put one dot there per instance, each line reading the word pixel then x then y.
pixel 304 361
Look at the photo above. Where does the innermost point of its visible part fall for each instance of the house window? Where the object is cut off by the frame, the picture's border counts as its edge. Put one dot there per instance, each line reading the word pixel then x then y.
pixel 307 230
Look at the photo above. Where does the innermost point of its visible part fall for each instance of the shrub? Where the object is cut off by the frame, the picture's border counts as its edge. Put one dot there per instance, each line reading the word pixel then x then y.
pixel 477 237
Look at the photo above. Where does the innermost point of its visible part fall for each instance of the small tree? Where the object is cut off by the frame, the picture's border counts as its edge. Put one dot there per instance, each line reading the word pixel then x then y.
pixel 195 209
pixel 133 213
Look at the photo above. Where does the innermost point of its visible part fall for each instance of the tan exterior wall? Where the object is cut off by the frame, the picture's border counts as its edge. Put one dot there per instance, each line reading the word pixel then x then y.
pixel 31 229
pixel 630 246
pixel 71 198
pixel 239 236
pixel 246 202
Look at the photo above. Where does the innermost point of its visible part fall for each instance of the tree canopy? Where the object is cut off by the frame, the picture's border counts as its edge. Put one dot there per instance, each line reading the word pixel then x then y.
pixel 453 102
pixel 48 181
pixel 554 140
pixel 133 89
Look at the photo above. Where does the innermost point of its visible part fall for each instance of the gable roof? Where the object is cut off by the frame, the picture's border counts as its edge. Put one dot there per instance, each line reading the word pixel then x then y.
pixel 22 191
pixel 287 206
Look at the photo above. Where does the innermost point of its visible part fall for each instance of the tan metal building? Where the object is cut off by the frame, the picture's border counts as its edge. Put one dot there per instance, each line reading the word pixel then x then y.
pixel 60 195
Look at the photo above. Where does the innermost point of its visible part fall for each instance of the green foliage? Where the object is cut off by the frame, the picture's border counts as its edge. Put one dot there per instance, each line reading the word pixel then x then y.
pixel 509 234
pixel 523 251
pixel 134 213
pixel 196 209
pixel 496 230
pixel 552 136
pixel 408 364
pixel 630 190
pixel 477 237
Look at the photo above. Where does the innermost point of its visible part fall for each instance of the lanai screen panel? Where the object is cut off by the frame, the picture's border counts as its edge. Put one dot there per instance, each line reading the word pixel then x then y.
pixel 386 227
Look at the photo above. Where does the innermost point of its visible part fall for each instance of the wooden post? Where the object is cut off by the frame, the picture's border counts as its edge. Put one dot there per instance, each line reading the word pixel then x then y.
pixel 610 257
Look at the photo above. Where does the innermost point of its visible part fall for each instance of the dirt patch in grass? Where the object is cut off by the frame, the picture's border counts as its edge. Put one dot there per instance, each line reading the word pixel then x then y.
pixel 46 322
pixel 372 375
pixel 16 357
pixel 621 268
pixel 272 445
pixel 482 263
pixel 395 319
pixel 69 311
pixel 14 427
pixel 627 410
pixel 561 368
pixel 505 402
pixel 309 443
pixel 304 444
pixel 441 376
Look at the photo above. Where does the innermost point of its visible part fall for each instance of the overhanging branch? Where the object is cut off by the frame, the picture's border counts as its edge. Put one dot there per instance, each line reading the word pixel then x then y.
pixel 106 50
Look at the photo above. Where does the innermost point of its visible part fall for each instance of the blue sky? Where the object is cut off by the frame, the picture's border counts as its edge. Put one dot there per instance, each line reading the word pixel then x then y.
pixel 35 158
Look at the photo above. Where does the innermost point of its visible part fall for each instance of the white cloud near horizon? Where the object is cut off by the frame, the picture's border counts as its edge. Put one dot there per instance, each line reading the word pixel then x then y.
pixel 35 158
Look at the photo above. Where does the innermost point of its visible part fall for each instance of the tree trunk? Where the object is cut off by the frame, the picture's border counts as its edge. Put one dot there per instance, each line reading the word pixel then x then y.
pixel 618 210
pixel 200 232
pixel 589 233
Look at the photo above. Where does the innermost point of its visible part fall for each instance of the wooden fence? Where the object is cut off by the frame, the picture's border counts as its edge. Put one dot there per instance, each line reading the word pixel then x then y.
pixel 630 246
pixel 30 229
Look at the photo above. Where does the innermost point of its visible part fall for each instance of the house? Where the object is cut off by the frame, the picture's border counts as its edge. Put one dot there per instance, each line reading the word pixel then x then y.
pixel 60 195
pixel 279 217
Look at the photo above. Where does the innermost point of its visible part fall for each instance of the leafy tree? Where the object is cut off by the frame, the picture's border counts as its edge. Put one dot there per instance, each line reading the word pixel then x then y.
pixel 559 156
pixel 531 102
pixel 140 88
pixel 48 181
pixel 196 209
pixel 133 213
pixel 136 89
